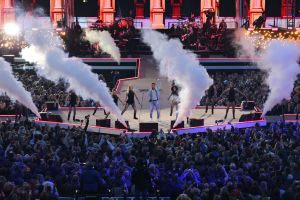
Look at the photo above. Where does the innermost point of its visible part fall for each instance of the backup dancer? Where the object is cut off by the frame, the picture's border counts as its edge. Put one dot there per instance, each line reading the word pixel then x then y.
pixel 174 99
pixel 210 98
pixel 116 98
pixel 73 99
pixel 130 96
pixel 231 100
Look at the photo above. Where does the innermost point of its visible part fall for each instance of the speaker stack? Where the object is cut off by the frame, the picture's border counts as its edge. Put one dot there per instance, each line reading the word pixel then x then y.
pixel 196 122
pixel 250 117
pixel 180 125
pixel 51 106
pixel 44 116
pixel 50 117
pixel 54 118
pixel 247 105
pixel 148 127
pixel 103 123
pixel 119 125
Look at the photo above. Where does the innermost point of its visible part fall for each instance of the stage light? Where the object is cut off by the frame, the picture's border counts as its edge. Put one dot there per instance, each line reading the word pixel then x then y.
pixel 11 29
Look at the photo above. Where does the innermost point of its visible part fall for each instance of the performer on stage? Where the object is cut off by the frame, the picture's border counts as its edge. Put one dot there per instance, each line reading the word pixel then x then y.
pixel 210 98
pixel 116 98
pixel 231 101
pixel 174 99
pixel 154 97
pixel 130 96
pixel 72 104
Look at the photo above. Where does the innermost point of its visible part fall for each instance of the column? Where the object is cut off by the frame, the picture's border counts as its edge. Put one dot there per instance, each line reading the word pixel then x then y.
pixel 238 14
pixel 7 12
pixel 176 8
pixel 207 5
pixel 107 11
pixel 1 8
pixel 286 8
pixel 157 9
pixel 69 12
pixel 139 8
pixel 257 7
pixel 56 11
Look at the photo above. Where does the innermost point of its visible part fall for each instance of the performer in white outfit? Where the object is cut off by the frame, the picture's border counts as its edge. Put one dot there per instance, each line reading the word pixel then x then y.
pixel 154 97
pixel 174 99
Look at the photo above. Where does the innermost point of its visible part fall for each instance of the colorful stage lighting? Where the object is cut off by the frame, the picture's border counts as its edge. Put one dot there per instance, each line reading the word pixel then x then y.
pixel 12 29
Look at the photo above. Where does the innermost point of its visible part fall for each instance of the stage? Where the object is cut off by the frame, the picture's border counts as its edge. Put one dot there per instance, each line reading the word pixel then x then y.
pixel 143 114
pixel 148 73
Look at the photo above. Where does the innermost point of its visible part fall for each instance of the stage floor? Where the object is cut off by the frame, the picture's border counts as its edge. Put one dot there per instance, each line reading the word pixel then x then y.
pixel 143 115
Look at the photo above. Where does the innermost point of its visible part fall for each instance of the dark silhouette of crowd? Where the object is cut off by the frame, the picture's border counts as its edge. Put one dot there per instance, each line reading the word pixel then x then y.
pixel 48 163
pixel 121 30
pixel 207 36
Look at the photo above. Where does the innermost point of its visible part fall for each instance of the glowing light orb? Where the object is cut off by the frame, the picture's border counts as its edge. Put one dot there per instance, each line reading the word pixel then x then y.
pixel 12 29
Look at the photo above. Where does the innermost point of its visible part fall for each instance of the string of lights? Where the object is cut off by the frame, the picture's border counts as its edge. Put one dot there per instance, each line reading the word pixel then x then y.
pixel 261 38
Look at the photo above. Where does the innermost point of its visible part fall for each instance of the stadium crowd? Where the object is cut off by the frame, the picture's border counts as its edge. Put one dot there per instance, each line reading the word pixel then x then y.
pixel 48 163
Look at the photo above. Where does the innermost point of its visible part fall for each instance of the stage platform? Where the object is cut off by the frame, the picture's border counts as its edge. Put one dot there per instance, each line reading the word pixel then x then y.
pixel 143 115
pixel 148 73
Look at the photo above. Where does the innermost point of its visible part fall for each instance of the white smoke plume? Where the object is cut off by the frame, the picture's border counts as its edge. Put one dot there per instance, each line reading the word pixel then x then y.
pixel 53 63
pixel 14 88
pixel 106 43
pixel 279 59
pixel 180 65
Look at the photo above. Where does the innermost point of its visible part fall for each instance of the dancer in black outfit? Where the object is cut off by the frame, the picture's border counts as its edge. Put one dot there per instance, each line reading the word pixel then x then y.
pixel 174 98
pixel 210 99
pixel 116 98
pixel 231 101
pixel 130 96
pixel 72 105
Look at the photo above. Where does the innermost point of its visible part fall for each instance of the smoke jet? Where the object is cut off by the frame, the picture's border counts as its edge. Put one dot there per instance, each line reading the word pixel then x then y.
pixel 106 43
pixel 279 59
pixel 14 88
pixel 180 65
pixel 53 63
